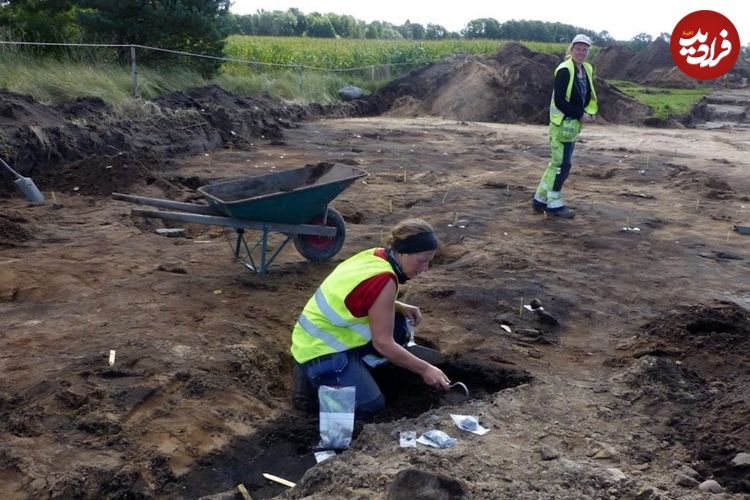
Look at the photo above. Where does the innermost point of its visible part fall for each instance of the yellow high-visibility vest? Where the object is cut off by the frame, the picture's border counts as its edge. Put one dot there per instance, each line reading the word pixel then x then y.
pixel 326 325
pixel 555 115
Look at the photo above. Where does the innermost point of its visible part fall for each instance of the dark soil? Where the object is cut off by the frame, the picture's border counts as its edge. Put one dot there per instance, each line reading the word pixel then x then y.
pixel 698 360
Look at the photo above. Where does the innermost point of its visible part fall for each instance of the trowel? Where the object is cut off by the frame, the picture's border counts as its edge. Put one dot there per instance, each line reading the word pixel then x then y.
pixel 26 185
pixel 424 353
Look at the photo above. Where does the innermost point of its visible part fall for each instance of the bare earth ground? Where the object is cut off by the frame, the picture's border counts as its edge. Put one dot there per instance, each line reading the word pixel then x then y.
pixel 641 392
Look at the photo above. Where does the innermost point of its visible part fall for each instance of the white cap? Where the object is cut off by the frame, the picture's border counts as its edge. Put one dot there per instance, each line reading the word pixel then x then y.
pixel 582 39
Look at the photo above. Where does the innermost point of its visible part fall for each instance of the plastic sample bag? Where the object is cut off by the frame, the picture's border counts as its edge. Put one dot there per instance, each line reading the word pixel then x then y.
pixel 336 416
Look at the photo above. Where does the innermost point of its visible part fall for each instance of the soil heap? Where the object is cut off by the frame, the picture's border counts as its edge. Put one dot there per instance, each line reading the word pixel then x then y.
pixel 511 86
pixel 654 67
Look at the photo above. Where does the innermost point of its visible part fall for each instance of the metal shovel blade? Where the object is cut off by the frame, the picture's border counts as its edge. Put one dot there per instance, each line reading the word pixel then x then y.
pixel 424 353
pixel 26 185
pixel 30 191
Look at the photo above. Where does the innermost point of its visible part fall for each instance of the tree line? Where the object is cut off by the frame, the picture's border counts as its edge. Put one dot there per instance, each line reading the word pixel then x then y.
pixel 293 22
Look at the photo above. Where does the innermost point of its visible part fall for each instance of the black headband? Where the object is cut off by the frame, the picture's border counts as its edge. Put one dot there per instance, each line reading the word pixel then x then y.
pixel 416 243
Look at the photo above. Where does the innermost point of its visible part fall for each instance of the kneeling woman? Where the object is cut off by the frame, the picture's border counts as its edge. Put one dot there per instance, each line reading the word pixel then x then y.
pixel 354 322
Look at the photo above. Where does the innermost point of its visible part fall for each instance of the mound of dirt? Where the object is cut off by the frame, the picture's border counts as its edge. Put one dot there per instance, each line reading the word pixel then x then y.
pixel 79 143
pixel 721 330
pixel 97 175
pixel 655 56
pixel 691 373
pixel 611 61
pixel 654 67
pixel 37 138
pixel 512 86
pixel 17 111
pixel 85 107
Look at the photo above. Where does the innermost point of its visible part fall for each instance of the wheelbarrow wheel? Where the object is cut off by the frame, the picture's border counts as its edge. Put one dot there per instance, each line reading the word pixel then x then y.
pixel 320 248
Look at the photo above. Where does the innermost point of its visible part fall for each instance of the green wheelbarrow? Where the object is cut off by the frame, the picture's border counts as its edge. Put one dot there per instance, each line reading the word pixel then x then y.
pixel 293 202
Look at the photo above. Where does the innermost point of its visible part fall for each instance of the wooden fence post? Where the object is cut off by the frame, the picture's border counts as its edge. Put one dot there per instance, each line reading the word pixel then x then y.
pixel 134 71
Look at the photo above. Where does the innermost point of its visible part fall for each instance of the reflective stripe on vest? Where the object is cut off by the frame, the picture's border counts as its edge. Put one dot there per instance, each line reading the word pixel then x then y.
pixel 555 115
pixel 363 329
pixel 326 325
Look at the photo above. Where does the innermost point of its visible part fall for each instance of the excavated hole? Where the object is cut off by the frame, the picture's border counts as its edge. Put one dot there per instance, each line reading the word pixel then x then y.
pixel 284 447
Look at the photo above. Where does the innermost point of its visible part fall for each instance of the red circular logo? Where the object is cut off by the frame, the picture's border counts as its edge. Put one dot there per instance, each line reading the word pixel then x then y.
pixel 704 45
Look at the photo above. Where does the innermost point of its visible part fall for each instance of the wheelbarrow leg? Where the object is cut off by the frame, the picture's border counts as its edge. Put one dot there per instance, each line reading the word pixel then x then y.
pixel 262 242
pixel 263 249
pixel 266 261
pixel 239 245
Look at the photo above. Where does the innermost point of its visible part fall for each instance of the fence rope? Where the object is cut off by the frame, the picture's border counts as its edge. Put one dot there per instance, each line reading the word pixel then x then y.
pixel 228 59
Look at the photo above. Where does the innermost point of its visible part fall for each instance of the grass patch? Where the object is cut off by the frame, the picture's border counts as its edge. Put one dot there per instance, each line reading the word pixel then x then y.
pixel 666 103
pixel 52 81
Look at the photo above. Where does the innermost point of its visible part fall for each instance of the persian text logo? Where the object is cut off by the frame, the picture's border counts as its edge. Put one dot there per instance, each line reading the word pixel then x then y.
pixel 704 45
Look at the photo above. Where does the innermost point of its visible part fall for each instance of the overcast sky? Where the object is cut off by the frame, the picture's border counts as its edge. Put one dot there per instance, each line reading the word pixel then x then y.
pixel 623 19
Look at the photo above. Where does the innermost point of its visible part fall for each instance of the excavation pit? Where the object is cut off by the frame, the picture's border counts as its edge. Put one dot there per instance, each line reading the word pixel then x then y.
pixel 285 447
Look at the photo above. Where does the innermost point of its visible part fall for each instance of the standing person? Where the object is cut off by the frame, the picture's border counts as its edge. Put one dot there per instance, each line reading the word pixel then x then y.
pixel 573 101
pixel 354 318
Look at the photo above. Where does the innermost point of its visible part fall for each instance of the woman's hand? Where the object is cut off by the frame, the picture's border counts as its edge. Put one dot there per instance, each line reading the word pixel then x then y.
pixel 410 312
pixel 434 377
pixel 587 118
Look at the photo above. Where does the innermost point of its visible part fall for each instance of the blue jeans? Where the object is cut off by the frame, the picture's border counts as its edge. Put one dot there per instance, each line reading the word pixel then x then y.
pixel 344 369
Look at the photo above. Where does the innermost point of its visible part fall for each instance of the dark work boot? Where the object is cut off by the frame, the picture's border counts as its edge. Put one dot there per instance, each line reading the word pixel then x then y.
pixel 563 213
pixel 304 395
pixel 538 206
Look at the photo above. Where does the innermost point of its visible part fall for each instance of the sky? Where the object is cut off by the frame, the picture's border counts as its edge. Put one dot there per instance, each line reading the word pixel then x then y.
pixel 622 19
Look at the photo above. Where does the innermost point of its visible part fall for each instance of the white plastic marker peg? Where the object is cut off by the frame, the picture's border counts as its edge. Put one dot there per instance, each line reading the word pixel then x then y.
pixel 111 357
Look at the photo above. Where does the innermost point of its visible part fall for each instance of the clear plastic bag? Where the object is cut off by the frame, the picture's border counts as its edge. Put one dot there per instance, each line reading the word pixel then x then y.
pixel 337 406
pixel 437 439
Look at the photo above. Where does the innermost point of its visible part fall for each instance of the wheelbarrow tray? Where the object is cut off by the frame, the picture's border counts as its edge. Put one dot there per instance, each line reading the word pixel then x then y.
pixel 294 196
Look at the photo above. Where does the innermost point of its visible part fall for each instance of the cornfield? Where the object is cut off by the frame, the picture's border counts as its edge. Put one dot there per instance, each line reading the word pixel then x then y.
pixel 346 54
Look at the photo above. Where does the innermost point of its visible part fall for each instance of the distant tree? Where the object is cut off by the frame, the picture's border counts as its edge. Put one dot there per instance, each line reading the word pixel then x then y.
pixel 275 23
pixel 537 31
pixel 319 26
pixel 482 28
pixel 344 26
pixel 39 20
pixel 382 29
pixel 435 32
pixel 389 32
pixel 665 36
pixel 301 26
pixel 373 30
pixel 603 38
pixel 560 33
pixel 414 31
pixel 418 31
pixel 244 25
pixel 640 41
pixel 186 25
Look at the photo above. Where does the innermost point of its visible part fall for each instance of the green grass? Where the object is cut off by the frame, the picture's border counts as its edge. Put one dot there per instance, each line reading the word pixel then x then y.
pixel 52 81
pixel 666 103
